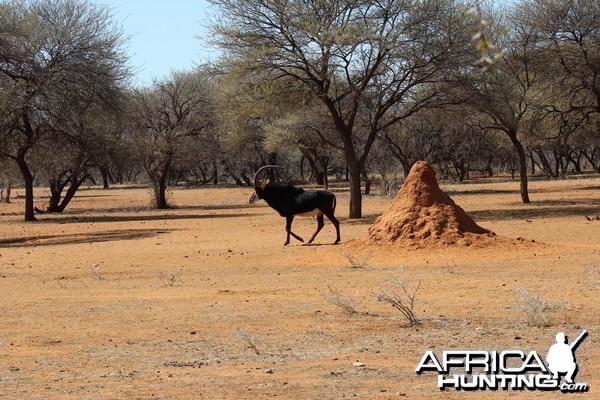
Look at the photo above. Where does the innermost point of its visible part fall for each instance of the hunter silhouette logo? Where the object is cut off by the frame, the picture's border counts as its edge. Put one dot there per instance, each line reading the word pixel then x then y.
pixel 509 369
pixel 561 356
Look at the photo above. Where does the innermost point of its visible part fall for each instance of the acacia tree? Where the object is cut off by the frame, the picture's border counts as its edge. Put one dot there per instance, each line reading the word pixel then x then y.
pixel 247 104
pixel 512 92
pixel 53 54
pixel 418 138
pixel 281 116
pixel 374 61
pixel 8 177
pixel 168 115
pixel 569 35
pixel 84 140
pixel 112 150
pixel 308 130
pixel 569 39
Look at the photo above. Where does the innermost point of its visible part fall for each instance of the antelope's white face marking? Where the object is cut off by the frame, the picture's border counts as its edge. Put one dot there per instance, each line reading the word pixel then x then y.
pixel 312 213
pixel 253 198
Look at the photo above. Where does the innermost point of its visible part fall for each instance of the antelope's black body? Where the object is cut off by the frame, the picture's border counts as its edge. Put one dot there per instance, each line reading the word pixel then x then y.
pixel 291 201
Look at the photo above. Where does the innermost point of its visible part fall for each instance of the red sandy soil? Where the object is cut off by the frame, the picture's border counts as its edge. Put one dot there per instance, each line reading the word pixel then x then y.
pixel 113 300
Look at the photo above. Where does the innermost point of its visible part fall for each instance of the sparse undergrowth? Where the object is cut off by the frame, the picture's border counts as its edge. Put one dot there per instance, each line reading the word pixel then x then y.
pixel 538 312
pixel 168 279
pixel 399 294
pixel 249 337
pixel 96 270
pixel 347 302
pixel 358 261
pixel 182 364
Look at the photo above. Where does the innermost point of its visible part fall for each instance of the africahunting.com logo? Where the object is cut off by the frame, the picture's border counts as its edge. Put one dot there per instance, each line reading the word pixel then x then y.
pixel 509 369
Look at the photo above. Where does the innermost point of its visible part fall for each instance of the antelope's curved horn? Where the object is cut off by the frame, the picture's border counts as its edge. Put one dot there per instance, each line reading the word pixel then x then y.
pixel 260 170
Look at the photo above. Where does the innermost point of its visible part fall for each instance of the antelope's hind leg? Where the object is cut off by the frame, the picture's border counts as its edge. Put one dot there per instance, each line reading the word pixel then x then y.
pixel 335 223
pixel 320 225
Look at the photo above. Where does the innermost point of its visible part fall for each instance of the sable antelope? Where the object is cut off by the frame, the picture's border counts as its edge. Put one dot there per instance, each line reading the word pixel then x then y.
pixel 291 201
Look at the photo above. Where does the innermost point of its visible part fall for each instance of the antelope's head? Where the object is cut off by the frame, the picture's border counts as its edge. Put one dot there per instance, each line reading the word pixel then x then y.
pixel 258 189
pixel 259 186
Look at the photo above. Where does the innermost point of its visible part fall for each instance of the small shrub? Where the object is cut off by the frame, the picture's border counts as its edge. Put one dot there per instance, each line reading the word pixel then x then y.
pixel 538 312
pixel 167 279
pixel 96 270
pixel 356 261
pixel 346 302
pixel 396 292
pixel 250 338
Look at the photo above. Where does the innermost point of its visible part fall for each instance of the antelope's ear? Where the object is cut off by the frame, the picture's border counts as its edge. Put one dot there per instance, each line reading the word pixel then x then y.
pixel 264 184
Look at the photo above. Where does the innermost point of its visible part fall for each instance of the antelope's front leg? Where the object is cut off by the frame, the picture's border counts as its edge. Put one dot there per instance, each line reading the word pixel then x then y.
pixel 288 228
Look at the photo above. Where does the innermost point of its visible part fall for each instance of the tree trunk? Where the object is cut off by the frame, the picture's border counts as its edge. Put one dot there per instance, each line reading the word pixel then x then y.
pixel 247 179
pixel 312 162
pixel 319 179
pixel 159 178
pixel 54 198
pixel 104 172
pixel 75 185
pixel 558 164
pixel 545 165
pixel 398 153
pixel 532 162
pixel 69 195
pixel 28 180
pixel 406 166
pixel 57 185
pixel 590 158
pixel 488 167
pixel 160 193
pixel 302 169
pixel 522 167
pixel 368 182
pixel 8 191
pixel 355 193
pixel 160 188
pixel 325 166
pixel 72 178
pixel 237 180
pixel 460 169
pixel 571 159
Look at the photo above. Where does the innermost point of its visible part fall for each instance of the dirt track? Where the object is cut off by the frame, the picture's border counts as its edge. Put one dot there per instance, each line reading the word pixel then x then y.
pixel 112 300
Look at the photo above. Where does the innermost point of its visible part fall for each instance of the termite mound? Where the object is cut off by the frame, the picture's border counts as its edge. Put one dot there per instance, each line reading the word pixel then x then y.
pixel 421 213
